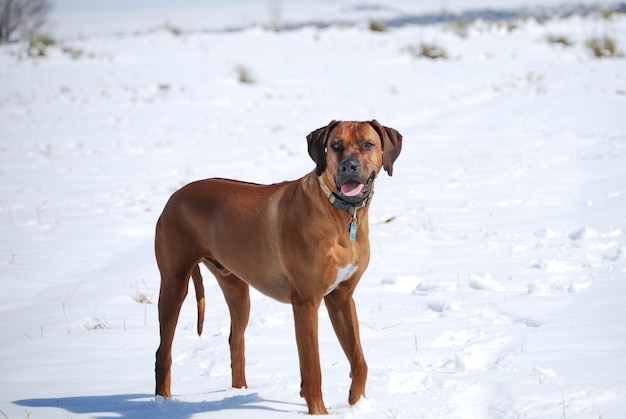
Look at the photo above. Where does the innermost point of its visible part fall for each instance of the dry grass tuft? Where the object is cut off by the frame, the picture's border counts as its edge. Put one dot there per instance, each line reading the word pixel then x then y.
pixel 604 47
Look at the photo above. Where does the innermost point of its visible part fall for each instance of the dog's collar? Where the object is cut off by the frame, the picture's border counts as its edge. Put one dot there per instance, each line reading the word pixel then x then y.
pixel 340 203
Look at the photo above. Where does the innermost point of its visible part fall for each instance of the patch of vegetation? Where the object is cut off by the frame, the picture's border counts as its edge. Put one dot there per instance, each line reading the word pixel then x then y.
pixel 142 298
pixel 74 53
pixel 276 16
pixel 512 26
pixel 38 45
pixel 243 75
pixel 174 30
pixel 460 28
pixel 376 26
pixel 97 324
pixel 606 14
pixel 427 50
pixel 559 40
pixel 604 47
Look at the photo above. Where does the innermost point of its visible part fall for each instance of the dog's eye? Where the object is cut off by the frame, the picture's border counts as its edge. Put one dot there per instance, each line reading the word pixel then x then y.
pixel 368 146
pixel 336 147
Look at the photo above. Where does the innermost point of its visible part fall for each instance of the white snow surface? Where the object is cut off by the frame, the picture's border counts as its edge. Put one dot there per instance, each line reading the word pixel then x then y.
pixel 497 283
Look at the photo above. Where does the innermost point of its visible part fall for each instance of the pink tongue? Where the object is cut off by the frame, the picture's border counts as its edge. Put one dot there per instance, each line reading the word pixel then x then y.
pixel 351 188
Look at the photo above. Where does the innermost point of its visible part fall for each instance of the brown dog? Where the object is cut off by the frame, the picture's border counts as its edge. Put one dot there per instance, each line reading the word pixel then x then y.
pixel 299 242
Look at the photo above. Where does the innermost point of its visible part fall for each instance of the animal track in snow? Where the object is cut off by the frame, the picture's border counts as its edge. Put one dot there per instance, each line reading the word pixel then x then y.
pixel 552 266
pixel 412 284
pixel 485 282
pixel 558 284
pixel 583 234
pixel 427 287
pixel 450 338
pixel 484 354
pixel 408 382
pixel 443 306
pixel 403 284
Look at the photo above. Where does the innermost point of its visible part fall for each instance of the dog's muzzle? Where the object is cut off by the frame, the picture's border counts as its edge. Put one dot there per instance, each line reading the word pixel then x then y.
pixel 350 185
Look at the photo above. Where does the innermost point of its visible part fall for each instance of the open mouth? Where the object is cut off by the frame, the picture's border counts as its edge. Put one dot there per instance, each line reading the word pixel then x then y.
pixel 353 189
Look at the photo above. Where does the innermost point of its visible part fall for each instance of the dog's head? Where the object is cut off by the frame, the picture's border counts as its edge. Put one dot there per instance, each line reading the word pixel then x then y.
pixel 349 155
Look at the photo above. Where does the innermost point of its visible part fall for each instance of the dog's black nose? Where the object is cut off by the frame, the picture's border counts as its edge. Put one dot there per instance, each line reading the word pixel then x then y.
pixel 349 165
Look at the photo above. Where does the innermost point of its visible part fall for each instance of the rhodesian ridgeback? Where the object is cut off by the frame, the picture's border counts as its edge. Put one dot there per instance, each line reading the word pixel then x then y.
pixel 299 242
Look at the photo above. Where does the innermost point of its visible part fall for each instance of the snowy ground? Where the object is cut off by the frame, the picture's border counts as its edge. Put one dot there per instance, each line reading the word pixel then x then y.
pixel 497 286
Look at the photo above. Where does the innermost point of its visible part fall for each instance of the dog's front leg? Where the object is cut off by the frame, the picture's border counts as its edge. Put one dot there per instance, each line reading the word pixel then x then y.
pixel 343 317
pixel 306 322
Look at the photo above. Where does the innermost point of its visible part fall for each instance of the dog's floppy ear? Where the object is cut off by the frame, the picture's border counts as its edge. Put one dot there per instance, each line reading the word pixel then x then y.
pixel 317 145
pixel 392 144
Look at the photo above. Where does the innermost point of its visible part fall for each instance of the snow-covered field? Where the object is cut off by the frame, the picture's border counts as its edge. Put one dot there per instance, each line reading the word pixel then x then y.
pixel 497 285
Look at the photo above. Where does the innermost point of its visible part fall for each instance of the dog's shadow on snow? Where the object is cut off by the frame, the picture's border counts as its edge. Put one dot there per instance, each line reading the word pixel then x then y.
pixel 140 406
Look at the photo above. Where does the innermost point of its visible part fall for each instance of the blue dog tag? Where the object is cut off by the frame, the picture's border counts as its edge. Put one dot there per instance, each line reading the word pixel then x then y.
pixel 352 230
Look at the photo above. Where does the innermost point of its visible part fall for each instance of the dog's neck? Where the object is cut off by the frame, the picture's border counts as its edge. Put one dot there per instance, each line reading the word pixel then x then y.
pixel 340 203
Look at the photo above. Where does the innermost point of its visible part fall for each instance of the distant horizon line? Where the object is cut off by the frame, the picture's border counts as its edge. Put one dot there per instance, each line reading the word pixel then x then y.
pixel 62 7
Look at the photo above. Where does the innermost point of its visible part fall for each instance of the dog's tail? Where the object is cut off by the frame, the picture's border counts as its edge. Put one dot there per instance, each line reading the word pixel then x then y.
pixel 199 287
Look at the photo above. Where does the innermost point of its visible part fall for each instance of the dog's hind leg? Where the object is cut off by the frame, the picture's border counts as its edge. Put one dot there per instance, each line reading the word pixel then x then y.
pixel 237 295
pixel 173 292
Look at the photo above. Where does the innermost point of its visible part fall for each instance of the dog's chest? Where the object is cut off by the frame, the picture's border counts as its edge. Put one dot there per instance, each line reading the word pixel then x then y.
pixel 343 274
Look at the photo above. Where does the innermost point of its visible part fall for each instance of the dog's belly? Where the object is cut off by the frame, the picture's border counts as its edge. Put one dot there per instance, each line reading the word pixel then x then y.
pixel 277 288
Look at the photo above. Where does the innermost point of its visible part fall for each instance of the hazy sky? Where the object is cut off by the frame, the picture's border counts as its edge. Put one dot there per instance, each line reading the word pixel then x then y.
pixel 80 6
